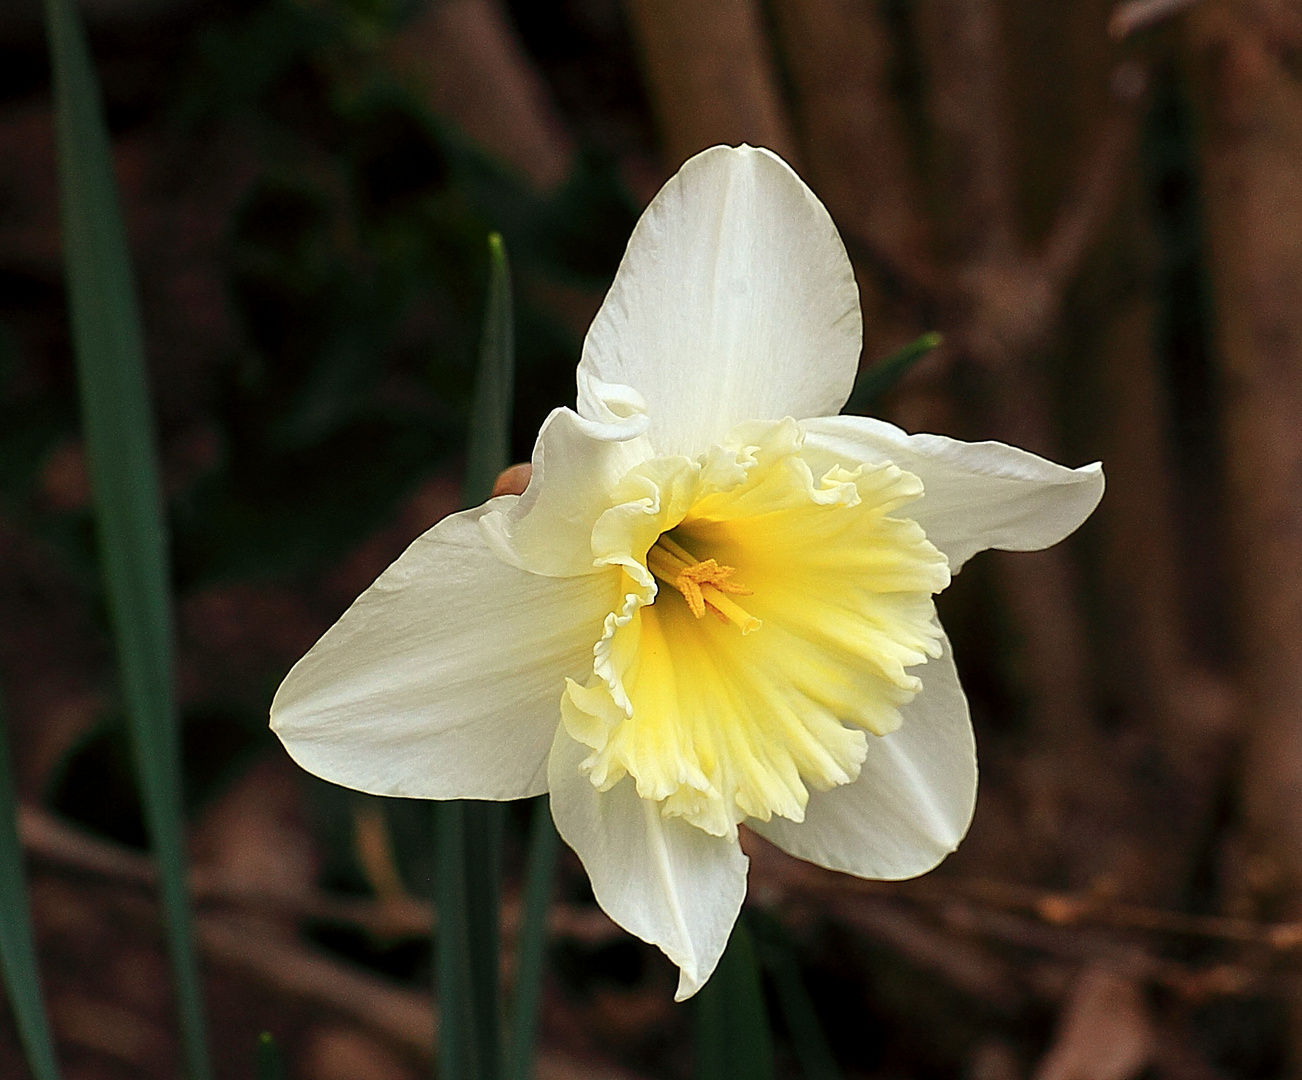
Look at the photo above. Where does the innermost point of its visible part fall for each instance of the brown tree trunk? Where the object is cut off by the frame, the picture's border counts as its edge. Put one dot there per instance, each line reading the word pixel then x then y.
pixel 710 73
pixel 464 58
pixel 1251 113
pixel 1250 105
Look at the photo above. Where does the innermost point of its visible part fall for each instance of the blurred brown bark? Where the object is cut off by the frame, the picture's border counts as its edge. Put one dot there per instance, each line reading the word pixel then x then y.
pixel 464 57
pixel 839 56
pixel 1104 1033
pixel 710 73
pixel 1243 67
pixel 1135 15
pixel 1245 80
pixel 962 49
pixel 1185 707
pixel 1250 106
pixel 1000 308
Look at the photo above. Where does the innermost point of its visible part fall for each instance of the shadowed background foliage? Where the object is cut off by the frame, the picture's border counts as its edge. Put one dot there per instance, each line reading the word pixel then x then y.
pixel 1099 207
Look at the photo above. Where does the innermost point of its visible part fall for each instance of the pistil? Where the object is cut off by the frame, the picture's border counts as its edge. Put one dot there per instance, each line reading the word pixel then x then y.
pixel 703 583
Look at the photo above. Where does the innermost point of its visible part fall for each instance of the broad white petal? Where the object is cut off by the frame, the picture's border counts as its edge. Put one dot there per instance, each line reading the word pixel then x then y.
pixel 661 879
pixel 576 464
pixel 914 797
pixel 444 679
pixel 735 301
pixel 977 495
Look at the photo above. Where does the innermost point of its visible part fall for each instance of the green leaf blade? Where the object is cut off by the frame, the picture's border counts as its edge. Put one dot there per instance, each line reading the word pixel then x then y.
pixel 122 460
pixel 777 955
pixel 469 833
pixel 17 947
pixel 875 382
pixel 270 1065
pixel 733 1038
pixel 489 449
pixel 468 898
pixel 544 847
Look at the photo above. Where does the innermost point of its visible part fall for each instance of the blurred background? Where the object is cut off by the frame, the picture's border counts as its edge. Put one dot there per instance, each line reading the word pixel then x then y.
pixel 1098 205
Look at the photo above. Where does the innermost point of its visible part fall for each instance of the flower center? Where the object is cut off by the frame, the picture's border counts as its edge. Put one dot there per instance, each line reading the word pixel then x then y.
pixel 715 726
pixel 703 583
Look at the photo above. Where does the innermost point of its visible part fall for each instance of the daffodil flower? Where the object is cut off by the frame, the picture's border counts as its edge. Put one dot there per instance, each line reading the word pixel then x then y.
pixel 713 603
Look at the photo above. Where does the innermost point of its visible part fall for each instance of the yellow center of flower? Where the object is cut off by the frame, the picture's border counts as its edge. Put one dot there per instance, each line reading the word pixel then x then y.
pixel 717 725
pixel 702 583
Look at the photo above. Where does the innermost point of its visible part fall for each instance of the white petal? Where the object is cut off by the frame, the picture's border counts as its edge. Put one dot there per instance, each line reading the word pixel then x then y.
pixel 576 463
pixel 661 879
pixel 914 797
pixel 977 495
pixel 444 679
pixel 735 301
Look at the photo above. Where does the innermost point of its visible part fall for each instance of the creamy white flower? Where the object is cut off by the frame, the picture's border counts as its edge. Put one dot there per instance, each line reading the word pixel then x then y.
pixel 713 603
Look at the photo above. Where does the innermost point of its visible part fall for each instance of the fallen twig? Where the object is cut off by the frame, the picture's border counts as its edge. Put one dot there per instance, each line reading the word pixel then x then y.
pixel 778 877
pixel 775 877
pixel 55 843
pixel 1137 15
pixel 241 941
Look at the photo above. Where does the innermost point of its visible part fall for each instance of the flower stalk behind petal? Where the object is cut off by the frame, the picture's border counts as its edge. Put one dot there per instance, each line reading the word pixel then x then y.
pixel 467 891
pixel 468 853
pixel 733 1038
pixel 489 448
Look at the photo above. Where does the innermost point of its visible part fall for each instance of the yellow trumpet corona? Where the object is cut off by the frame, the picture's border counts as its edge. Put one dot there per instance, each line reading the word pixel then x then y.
pixel 715 725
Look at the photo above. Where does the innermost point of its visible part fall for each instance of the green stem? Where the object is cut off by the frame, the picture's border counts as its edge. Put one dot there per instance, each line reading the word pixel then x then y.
pixel 467 893
pixel 271 1066
pixel 544 845
pixel 778 957
pixel 733 1040
pixel 469 855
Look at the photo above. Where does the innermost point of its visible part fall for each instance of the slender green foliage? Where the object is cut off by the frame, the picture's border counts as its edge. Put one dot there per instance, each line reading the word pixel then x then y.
pixel 489 449
pixel 733 1039
pixel 17 951
pixel 883 375
pixel 468 897
pixel 122 459
pixel 468 875
pixel 483 861
pixel 778 958
pixel 544 845
pixel 271 1066
pixel 457 1047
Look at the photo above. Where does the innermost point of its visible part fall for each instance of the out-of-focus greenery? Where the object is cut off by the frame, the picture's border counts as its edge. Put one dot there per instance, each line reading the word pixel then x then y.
pixel 355 271
pixel 121 451
pixel 733 1039
pixel 468 874
pixel 17 950
pixel 355 274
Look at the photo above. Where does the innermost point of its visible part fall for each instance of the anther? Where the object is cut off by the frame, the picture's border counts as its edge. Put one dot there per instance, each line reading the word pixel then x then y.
pixel 703 583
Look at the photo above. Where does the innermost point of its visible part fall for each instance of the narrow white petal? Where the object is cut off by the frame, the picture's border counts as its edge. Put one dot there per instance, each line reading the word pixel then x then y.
pixel 444 679
pixel 576 464
pixel 735 301
pixel 661 879
pixel 977 495
pixel 914 797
